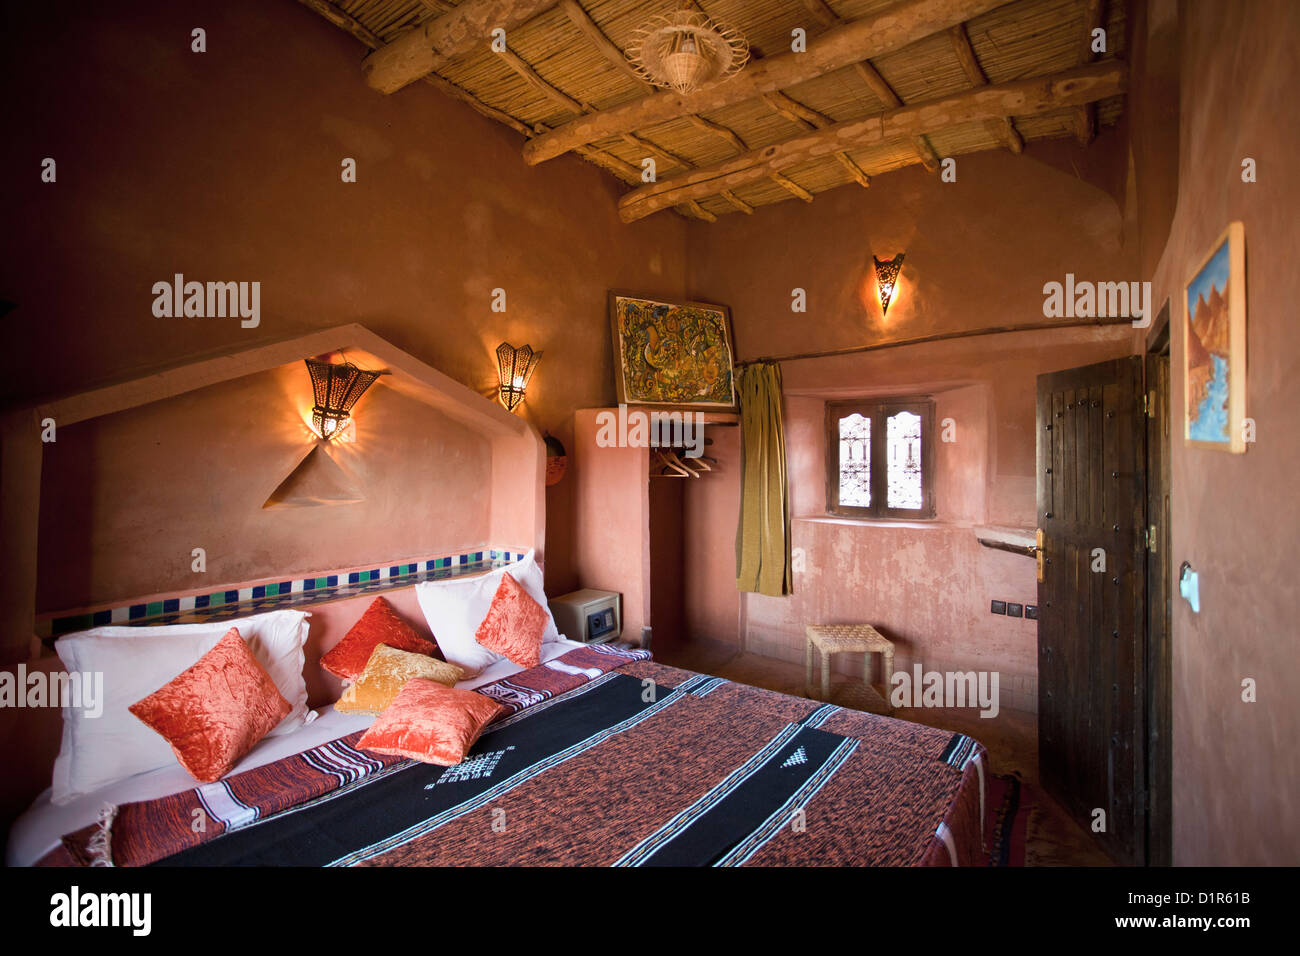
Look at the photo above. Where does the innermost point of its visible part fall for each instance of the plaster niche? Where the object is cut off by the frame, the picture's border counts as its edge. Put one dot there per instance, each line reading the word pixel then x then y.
pixel 316 481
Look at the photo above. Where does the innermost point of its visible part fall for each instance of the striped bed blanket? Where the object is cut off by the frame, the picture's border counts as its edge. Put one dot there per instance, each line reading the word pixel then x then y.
pixel 606 759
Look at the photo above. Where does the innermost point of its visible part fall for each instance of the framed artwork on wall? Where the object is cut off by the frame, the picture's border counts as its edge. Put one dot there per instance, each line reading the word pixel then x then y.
pixel 674 355
pixel 1214 356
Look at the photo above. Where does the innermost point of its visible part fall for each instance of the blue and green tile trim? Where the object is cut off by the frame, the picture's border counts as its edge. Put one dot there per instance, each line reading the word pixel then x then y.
pixel 239 602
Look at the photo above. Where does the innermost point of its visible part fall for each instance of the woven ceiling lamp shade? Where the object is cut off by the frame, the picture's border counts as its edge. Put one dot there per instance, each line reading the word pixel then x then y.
pixel 686 50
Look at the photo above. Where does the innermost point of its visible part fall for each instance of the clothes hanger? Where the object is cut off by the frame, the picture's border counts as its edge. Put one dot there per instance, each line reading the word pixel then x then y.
pixel 671 467
pixel 676 462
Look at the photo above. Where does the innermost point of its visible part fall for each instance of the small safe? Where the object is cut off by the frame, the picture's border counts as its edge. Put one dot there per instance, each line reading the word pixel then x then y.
pixel 589 615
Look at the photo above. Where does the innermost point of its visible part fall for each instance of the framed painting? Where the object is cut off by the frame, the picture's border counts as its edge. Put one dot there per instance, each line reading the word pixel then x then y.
pixel 1214 353
pixel 675 355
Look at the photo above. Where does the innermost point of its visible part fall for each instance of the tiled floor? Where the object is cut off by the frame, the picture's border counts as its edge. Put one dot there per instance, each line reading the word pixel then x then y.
pixel 1011 738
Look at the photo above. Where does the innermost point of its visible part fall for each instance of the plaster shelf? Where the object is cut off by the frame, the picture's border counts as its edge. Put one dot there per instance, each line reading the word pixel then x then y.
pixel 1015 540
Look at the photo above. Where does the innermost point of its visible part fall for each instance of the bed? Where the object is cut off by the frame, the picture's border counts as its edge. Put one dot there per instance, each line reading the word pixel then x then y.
pixel 602 757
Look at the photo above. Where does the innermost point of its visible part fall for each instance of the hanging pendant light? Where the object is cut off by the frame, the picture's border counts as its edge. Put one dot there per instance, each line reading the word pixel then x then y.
pixel 686 50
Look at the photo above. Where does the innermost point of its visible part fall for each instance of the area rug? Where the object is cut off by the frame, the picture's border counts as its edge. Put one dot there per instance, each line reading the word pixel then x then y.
pixel 1010 804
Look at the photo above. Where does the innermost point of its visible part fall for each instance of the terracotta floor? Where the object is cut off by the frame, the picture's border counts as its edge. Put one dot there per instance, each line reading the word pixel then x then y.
pixel 1011 738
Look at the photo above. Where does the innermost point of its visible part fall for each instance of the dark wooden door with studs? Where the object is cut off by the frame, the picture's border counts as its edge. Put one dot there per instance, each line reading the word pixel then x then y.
pixel 1091 596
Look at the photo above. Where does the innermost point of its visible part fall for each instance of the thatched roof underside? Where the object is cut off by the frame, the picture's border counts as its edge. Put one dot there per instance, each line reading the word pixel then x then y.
pixel 554 71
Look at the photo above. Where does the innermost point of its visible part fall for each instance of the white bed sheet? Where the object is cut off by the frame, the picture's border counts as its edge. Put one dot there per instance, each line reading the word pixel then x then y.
pixel 40 829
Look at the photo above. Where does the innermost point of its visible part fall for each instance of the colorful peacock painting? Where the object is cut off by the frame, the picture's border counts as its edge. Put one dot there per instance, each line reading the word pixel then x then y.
pixel 672 354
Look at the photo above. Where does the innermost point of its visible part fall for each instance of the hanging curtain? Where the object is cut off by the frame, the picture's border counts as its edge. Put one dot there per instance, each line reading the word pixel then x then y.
pixel 763 532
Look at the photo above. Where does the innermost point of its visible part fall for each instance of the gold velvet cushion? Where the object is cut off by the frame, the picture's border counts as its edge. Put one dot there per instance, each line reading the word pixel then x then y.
pixel 217 710
pixel 515 624
pixel 379 625
pixel 431 723
pixel 386 672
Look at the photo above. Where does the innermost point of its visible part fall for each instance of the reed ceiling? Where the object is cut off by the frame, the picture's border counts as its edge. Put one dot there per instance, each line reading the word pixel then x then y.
pixel 883 84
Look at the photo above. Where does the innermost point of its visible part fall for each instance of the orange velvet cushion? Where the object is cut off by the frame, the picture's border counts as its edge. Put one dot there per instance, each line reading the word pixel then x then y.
pixel 379 625
pixel 387 673
pixel 431 723
pixel 217 710
pixel 515 624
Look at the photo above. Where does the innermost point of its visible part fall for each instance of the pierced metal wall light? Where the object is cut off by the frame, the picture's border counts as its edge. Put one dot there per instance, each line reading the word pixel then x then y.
pixel 514 370
pixel 336 389
pixel 887 279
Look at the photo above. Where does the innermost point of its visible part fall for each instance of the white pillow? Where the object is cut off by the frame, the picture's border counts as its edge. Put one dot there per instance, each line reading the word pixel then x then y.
pixel 456 607
pixel 135 662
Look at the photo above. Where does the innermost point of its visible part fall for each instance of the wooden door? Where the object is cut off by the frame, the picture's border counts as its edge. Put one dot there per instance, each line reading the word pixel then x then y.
pixel 1091 596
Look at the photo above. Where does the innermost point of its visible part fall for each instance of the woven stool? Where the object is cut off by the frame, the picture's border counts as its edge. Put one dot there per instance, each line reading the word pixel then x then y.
pixel 850 638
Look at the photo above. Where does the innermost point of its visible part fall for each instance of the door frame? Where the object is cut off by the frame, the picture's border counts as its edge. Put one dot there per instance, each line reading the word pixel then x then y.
pixel 1159 584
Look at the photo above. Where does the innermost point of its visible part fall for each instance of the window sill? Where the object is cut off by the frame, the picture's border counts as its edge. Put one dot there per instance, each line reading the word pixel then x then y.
pixel 920 524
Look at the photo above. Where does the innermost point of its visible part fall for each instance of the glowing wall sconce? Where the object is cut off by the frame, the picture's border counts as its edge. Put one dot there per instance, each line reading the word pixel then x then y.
pixel 336 389
pixel 514 370
pixel 887 279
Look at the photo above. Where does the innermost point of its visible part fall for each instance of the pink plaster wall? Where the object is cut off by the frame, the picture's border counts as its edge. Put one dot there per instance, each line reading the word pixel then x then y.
pixel 126 497
pixel 978 253
pixel 1235 764
pixel 926 585
pixel 611 489
pixel 709 511
pixel 226 166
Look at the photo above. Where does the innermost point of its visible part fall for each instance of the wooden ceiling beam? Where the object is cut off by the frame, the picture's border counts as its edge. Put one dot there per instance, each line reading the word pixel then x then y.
pixel 891 29
pixel 652 149
pixel 1021 97
pixel 856 171
pixel 1000 129
pixel 807 118
pixel 795 111
pixel 606 47
pixel 737 202
pixel 435 43
pixel 720 131
pixel 1085 117
pixel 792 186
pixel 530 76
pixel 568 103
pixel 879 87
pixel 625 171
pixel 699 212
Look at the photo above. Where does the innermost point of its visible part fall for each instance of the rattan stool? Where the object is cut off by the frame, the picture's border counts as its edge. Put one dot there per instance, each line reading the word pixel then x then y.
pixel 842 638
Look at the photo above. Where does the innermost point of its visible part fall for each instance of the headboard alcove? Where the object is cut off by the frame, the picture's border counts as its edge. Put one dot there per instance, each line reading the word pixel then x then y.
pixel 438 481
pixel 217 455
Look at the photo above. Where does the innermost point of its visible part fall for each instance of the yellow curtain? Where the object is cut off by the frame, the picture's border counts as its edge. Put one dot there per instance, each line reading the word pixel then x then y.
pixel 763 532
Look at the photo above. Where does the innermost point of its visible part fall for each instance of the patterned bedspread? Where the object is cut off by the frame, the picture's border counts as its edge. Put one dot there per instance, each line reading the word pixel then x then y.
pixel 605 758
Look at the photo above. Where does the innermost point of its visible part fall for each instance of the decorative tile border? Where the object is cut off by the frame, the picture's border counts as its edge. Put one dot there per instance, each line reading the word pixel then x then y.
pixel 238 602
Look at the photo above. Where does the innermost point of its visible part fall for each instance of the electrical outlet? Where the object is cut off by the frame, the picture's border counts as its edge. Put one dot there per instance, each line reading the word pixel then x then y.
pixel 999 607
pixel 1031 612
pixel 1015 610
